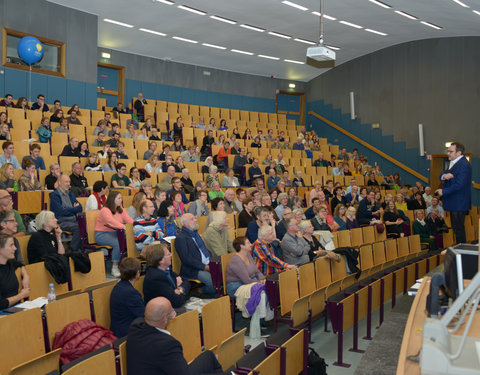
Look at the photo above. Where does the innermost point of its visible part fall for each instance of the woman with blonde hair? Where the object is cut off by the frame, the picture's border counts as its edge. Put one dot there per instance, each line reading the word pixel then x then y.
pixel 7 177
pixel 400 203
pixel 5 133
pixel 207 164
pixel 153 165
pixel 138 198
pixel 351 218
pixel 28 180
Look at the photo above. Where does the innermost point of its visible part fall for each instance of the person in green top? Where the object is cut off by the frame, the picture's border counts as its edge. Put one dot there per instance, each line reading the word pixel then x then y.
pixel 420 227
pixel 6 204
pixel 216 192
pixel 119 179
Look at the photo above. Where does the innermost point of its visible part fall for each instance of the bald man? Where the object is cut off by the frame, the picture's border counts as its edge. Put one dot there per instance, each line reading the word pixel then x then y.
pixel 151 350
pixel 66 207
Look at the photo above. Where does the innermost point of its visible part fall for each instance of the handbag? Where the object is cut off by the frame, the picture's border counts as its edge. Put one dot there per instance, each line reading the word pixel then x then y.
pixel 316 364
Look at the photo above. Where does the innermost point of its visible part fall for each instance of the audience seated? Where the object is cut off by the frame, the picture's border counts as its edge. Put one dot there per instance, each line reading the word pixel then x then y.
pixel 126 303
pixel 178 205
pixel 216 237
pixel 35 156
pixel 9 226
pixel 366 214
pixel 7 156
pixel 79 184
pixel 28 181
pixel 111 218
pixel 66 207
pixel 177 187
pixel 421 228
pixel 40 104
pixel 6 204
pixel 47 239
pixel 340 216
pixel 97 199
pixel 193 253
pixel 145 227
pixel 119 179
pixel 393 221
pixel 166 218
pixel 295 248
pixel 71 149
pixel 134 210
pixel 10 293
pixel 200 206
pixel 160 280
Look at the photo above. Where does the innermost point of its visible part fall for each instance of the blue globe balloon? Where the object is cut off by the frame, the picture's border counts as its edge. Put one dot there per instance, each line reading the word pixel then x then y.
pixel 30 49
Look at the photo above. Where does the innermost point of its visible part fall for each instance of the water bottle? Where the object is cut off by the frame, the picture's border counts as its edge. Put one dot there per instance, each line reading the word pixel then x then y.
pixel 15 186
pixel 51 296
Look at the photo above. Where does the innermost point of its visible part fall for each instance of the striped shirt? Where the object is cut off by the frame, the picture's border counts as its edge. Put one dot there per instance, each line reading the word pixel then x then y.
pixel 146 231
pixel 265 259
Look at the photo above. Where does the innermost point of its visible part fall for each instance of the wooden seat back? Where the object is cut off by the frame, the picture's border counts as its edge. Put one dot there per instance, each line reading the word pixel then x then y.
pixel 23 339
pixel 288 288
pixel 23 242
pixel 65 311
pixel 323 274
pixel 403 246
pixel 357 237
pixel 122 352
pixel 96 275
pixel 391 249
pixel 231 350
pixel 225 258
pixel 306 279
pixel 216 322
pixel 43 364
pixel 29 202
pixel 101 305
pixel 366 257
pixel 40 279
pixel 339 270
pixel 414 242
pixel 186 329
pixel 294 356
pixel 270 365
pixel 368 234
pixel 300 311
pixel 103 363
pixel 344 239
pixel 379 253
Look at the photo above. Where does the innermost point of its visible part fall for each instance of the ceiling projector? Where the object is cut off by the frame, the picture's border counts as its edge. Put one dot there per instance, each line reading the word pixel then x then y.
pixel 320 53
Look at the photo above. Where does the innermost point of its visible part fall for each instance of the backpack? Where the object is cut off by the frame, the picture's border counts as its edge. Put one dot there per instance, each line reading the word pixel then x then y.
pixel 316 364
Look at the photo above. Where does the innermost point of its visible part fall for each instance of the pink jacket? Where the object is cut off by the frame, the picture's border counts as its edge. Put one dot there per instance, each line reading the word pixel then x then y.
pixel 117 221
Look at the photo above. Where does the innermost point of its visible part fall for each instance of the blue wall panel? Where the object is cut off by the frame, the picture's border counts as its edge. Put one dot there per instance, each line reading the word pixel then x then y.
pixel 2 83
pixel 75 94
pixel 56 89
pixel 148 90
pixel 16 83
pixel 91 95
pixel 39 86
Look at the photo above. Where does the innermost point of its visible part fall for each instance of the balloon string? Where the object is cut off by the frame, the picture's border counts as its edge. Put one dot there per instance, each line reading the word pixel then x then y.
pixel 30 85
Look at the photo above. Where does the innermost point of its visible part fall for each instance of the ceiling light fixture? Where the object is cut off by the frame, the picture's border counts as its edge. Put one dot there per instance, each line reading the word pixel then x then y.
pixel 213 46
pixel 269 57
pixel 254 28
pixel 476 12
pixel 325 16
pixel 191 10
pixel 304 41
pixel 460 3
pixel 242 52
pixel 294 62
pixel 168 2
pixel 376 32
pixel 294 5
pixel 351 24
pixel 221 19
pixel 280 35
pixel 379 3
pixel 407 15
pixel 153 32
pixel 118 23
pixel 184 39
pixel 333 47
pixel 433 26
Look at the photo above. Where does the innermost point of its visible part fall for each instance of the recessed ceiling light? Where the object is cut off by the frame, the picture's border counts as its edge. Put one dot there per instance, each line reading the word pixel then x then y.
pixel 476 12
pixel 242 52
pixel 118 23
pixel 376 32
pixel 304 41
pixel 351 24
pixel 379 3
pixel 294 62
pixel 153 32
pixel 291 85
pixel 254 28
pixel 226 20
pixel 168 2
pixel 280 35
pixel 192 10
pixel 213 46
pixel 106 55
pixel 433 26
pixel 325 16
pixel 408 15
pixel 289 3
pixel 184 39
pixel 333 47
pixel 269 57
pixel 460 3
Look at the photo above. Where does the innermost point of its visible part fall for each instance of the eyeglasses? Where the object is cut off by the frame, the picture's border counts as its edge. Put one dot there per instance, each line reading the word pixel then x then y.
pixel 6 197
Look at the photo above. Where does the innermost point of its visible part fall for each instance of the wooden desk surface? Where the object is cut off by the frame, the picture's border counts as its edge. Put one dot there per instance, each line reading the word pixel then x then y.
pixel 412 337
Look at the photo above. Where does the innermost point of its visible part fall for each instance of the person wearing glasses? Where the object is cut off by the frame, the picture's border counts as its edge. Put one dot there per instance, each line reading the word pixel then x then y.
pixel 6 204
pixel 120 179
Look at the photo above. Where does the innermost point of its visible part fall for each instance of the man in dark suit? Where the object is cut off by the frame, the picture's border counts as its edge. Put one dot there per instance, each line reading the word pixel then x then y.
pixel 456 189
pixel 160 280
pixel 152 351
pixel 194 254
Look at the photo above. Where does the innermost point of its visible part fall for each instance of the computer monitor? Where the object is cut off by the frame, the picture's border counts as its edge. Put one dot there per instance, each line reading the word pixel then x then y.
pixel 461 263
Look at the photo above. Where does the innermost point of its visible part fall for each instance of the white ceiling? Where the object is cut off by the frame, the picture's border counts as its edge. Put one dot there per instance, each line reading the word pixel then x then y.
pixel 271 15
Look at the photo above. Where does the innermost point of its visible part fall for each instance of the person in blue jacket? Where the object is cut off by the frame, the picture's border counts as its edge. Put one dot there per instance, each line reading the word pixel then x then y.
pixel 126 303
pixel 456 189
pixel 44 131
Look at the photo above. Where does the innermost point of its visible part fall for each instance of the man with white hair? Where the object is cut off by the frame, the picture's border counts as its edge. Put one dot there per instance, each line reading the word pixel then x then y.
pixel 434 205
pixel 216 236
pixel 427 195
pixel 282 201
pixel 263 254
pixel 139 106
pixel 295 249
pixel 193 253
pixel 229 200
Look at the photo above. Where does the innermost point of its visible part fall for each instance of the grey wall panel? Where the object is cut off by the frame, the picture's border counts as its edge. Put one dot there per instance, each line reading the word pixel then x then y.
pixel 77 29
pixel 433 82
pixel 147 69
